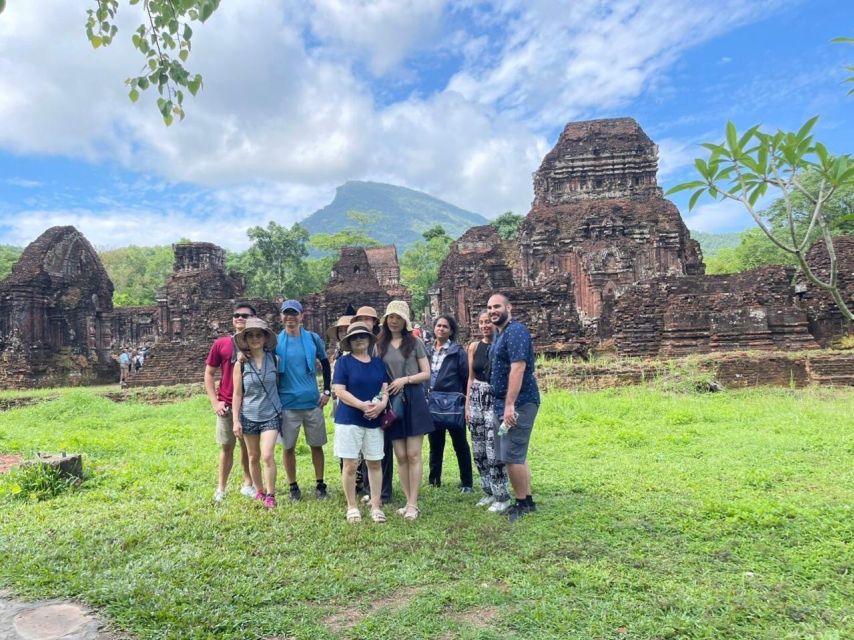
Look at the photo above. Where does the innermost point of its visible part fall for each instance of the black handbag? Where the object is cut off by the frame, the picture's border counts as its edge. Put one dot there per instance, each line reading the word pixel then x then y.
pixel 447 408
pixel 393 411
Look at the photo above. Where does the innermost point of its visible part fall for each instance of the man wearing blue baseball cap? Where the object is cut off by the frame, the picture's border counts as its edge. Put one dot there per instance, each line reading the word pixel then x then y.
pixel 299 350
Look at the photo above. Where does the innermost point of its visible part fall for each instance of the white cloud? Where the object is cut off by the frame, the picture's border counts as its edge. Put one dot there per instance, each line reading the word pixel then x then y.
pixel 23 183
pixel 562 59
pixel 384 31
pixel 283 118
pixel 719 217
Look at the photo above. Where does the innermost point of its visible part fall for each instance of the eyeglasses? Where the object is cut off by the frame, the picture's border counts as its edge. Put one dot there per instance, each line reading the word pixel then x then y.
pixel 255 335
pixel 290 312
pixel 241 315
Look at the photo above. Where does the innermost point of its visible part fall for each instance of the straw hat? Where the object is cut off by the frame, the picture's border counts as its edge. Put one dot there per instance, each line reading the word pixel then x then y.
pixel 357 329
pixel 400 308
pixel 332 331
pixel 365 312
pixel 255 324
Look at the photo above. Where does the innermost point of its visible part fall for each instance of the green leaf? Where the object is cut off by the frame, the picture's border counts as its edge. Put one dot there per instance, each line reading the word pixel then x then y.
pixel 133 95
pixel 684 186
pixel 96 41
pixel 194 84
pixel 2 5
pixel 188 32
pixel 693 201
pixel 732 137
pixel 206 9
pixel 702 167
pixel 143 83
pixel 804 131
pixel 183 54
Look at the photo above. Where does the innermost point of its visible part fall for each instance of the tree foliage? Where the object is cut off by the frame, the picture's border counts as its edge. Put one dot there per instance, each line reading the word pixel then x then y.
pixel 8 256
pixel 350 236
pixel 805 174
pixel 275 262
pixel 507 225
pixel 164 39
pixel 137 272
pixel 849 67
pixel 419 265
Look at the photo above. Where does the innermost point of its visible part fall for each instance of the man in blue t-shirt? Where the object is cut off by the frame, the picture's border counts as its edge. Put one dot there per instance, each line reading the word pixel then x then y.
pixel 298 351
pixel 517 399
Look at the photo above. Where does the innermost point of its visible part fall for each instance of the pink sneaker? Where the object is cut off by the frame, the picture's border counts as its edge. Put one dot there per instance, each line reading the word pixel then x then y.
pixel 270 501
pixel 260 496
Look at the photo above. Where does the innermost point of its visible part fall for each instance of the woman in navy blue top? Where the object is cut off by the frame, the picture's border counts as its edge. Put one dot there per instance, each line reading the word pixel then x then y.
pixel 359 383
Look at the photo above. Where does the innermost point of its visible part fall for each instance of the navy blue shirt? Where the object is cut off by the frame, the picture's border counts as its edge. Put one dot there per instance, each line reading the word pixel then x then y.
pixel 513 344
pixel 364 380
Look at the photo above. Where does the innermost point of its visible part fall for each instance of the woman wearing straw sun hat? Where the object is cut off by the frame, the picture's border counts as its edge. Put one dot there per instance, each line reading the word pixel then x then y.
pixel 256 407
pixel 408 367
pixel 360 383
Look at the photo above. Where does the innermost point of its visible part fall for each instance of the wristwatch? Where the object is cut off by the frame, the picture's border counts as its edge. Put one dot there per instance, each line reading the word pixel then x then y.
pixel 327 392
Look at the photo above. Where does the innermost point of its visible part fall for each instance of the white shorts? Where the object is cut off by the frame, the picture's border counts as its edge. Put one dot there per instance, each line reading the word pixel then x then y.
pixel 351 439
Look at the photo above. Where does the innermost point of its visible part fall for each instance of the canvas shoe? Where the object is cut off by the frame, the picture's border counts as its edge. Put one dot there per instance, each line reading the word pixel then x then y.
pixel 320 491
pixel 260 495
pixel 270 501
pixel 247 490
pixel 499 507
pixel 219 496
pixel 466 490
pixel 294 494
pixel 485 501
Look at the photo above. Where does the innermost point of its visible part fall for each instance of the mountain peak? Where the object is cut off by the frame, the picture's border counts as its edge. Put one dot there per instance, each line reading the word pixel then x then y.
pixel 402 214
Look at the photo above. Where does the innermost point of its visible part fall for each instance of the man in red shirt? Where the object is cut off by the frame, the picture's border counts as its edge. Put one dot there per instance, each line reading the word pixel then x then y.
pixel 222 356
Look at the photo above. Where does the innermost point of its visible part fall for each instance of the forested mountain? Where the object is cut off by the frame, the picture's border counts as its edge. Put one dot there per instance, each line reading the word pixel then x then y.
pixel 712 243
pixel 396 215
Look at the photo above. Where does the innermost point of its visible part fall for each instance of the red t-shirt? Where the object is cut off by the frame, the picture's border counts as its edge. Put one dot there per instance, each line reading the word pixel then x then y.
pixel 220 356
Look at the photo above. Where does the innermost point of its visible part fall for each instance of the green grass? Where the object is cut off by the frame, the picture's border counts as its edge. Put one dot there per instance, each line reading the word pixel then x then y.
pixel 661 515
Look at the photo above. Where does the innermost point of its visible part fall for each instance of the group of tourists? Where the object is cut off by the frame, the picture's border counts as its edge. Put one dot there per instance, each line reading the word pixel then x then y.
pixel 389 390
pixel 130 362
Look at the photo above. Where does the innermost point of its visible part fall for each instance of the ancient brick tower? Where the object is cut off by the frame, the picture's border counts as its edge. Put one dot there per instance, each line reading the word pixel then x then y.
pixel 600 216
pixel 598 223
pixel 55 314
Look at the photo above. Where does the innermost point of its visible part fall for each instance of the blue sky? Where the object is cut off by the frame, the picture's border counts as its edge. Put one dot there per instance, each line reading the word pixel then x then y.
pixel 459 99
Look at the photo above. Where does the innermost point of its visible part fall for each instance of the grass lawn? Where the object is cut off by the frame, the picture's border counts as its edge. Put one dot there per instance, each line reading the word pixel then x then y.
pixel 661 515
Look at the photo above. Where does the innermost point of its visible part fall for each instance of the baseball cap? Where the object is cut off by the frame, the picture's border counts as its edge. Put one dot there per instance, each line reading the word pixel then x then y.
pixel 291 304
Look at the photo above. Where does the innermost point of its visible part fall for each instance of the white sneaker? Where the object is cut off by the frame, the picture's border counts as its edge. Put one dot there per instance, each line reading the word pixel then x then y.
pixel 219 496
pixel 499 507
pixel 248 490
pixel 485 501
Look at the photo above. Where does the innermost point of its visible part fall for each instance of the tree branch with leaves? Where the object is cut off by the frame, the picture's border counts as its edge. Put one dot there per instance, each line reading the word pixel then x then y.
pixel 164 38
pixel 745 166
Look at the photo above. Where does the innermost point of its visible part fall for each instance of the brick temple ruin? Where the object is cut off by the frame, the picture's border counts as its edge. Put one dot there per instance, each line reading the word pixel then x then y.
pixel 603 258
pixel 58 325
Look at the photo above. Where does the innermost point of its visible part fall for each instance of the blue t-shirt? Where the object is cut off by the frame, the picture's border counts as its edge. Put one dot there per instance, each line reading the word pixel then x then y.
pixel 513 344
pixel 364 380
pixel 298 388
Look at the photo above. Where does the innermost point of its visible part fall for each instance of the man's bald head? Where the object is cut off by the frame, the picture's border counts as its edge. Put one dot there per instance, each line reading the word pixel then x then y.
pixel 499 309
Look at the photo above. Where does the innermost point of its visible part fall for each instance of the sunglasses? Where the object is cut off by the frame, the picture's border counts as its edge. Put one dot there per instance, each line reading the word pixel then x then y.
pixel 255 335
pixel 241 315
pixel 359 337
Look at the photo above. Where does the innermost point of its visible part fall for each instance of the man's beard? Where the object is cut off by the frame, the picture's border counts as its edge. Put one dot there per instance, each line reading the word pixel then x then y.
pixel 501 319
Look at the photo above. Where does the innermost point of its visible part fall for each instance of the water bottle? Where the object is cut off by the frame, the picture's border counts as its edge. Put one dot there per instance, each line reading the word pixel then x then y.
pixel 503 428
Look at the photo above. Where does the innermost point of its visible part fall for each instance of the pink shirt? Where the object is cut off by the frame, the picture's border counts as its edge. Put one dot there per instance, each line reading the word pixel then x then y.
pixel 220 356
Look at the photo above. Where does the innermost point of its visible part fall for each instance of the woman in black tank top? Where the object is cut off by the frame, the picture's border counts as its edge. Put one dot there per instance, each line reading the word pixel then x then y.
pixel 481 419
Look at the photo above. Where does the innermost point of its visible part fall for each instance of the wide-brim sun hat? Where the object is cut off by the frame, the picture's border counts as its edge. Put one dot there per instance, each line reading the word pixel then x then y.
pixel 255 324
pixel 332 330
pixel 357 329
pixel 365 312
pixel 400 308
